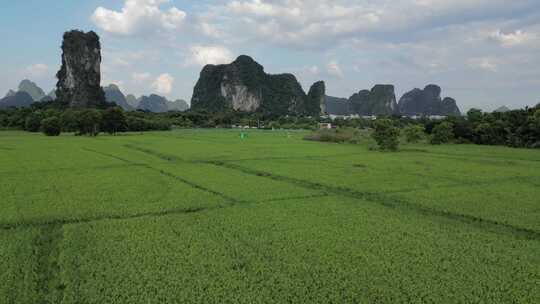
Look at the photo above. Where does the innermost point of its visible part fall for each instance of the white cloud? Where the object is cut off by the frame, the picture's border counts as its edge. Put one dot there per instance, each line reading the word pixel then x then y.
pixel 314 70
pixel 36 70
pixel 163 84
pixel 334 69
pixel 140 78
pixel 488 64
pixel 512 38
pixel 324 23
pixel 203 55
pixel 139 16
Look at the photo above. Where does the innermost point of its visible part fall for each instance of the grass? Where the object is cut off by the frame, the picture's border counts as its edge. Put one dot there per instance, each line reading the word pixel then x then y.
pixel 202 216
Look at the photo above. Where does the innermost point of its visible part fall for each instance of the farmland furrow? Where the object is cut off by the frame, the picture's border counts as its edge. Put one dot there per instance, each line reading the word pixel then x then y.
pixel 171 175
pixel 393 202
pixel 50 285
pixel 73 169
pixel 472 158
pixel 380 198
pixel 61 222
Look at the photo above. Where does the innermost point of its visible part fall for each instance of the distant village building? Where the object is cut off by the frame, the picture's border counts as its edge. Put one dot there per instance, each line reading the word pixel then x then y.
pixel 325 126
pixel 345 117
pixel 432 117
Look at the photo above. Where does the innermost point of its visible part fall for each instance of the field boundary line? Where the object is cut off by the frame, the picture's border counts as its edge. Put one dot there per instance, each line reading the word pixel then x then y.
pixel 62 222
pixel 155 214
pixel 392 202
pixel 467 158
pixel 173 158
pixel 75 169
pixel 229 199
pixel 380 198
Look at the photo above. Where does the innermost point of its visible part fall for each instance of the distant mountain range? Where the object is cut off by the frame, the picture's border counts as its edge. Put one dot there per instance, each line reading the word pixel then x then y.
pixel 502 109
pixel 16 99
pixel 28 93
pixel 152 103
pixel 381 100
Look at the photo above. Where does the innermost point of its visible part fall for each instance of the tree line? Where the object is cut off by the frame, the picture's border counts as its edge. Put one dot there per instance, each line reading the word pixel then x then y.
pixel 518 128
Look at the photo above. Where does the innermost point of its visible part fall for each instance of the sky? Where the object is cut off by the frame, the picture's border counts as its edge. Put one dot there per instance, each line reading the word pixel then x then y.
pixel 483 53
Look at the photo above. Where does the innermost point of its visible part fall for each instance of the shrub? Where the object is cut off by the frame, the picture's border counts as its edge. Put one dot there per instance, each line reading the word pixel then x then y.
pixel 51 126
pixel 442 133
pixel 413 133
pixel 340 135
pixel 386 134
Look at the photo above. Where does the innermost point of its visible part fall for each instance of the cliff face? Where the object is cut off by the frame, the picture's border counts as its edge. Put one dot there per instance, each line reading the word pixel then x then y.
pixel 244 86
pixel 381 100
pixel 427 102
pixel 317 98
pixel 80 76
pixel 178 105
pixel 337 106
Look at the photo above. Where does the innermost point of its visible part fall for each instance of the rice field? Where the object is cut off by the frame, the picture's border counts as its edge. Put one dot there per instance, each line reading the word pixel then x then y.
pixel 204 216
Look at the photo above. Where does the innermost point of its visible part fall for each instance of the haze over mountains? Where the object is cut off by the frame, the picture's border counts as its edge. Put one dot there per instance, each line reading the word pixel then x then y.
pixel 28 93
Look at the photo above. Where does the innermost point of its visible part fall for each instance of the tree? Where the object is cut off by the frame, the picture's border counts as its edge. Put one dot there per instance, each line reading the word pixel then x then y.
pixel 51 126
pixel 33 122
pixel 474 116
pixel 442 133
pixel 413 133
pixel 69 120
pixel 113 120
pixel 89 121
pixel 386 134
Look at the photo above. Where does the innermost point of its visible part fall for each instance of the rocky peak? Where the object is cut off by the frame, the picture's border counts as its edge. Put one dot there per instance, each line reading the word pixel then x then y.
pixel 10 93
pixel 317 97
pixel 114 94
pixel 153 103
pixel 32 89
pixel 380 100
pixel 80 75
pixel 244 86
pixel 132 100
pixel 177 105
pixel 427 102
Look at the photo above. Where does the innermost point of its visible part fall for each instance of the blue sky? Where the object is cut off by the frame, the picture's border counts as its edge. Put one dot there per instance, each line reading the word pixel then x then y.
pixel 484 53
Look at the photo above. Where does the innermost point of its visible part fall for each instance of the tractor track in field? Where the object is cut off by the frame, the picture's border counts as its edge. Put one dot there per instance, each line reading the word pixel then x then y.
pixel 50 288
pixel 394 203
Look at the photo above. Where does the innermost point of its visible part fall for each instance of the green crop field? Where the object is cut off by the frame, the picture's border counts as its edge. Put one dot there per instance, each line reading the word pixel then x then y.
pixel 203 216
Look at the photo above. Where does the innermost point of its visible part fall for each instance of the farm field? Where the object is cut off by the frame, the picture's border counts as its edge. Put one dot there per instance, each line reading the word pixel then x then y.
pixel 203 216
